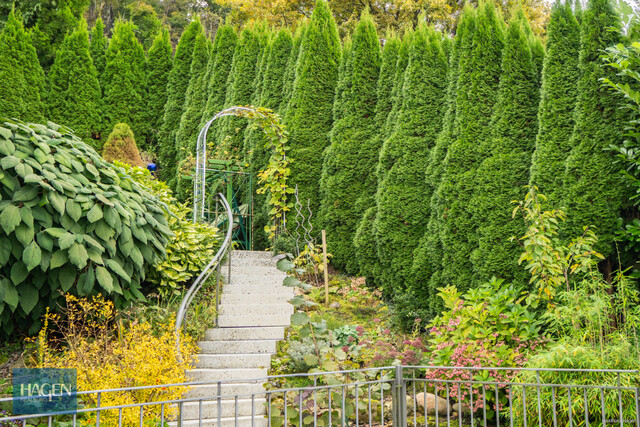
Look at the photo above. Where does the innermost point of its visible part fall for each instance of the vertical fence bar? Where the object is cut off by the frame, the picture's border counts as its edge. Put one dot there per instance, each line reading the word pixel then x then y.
pixel 344 406
pixel 570 407
pixel 604 418
pixel 330 414
pixel 511 405
pixel 357 405
pixel 553 403
pixel 435 395
pixel 484 404
pixel 619 399
pixel 236 410
pixel 524 404
pixel 268 408
pixel 285 408
pixel 446 385
pixel 98 400
pixel 300 407
pixel 253 409
pixel 586 408
pixel 497 407
pixel 220 404
pixel 539 403
pixel 162 415
pixel 637 407
pixel 181 415
pixel 470 398
pixel 315 402
pixel 369 403
pixel 381 402
pixel 141 415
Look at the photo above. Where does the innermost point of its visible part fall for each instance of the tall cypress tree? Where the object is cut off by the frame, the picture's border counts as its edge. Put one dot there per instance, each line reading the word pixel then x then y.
pixel 74 91
pixel 427 264
pixel 560 77
pixel 290 73
pixel 505 170
pixel 98 48
pixel 593 195
pixel 398 81
pixel 402 209
pixel 160 63
pixel 125 92
pixel 346 163
pixel 194 103
pixel 478 78
pixel 22 77
pixel 309 115
pixel 365 237
pixel 240 85
pixel 272 97
pixel 176 93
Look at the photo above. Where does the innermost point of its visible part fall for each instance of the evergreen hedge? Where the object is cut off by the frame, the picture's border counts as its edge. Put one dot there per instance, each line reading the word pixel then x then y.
pixel 98 48
pixel 160 62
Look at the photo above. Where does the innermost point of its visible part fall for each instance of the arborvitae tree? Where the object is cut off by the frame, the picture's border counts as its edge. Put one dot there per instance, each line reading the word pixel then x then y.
pixel 398 81
pixel 160 62
pixel 272 97
pixel 194 104
pixel 479 74
pixel 240 85
pixel 505 170
pixel 21 77
pixel 54 20
pixel 98 48
pixel 427 264
pixel 125 94
pixel 290 73
pixel 345 71
pixel 74 91
pixel 402 209
pixel 559 90
pixel 121 146
pixel 220 64
pixel 309 115
pixel 365 237
pixel 176 93
pixel 592 192
pixel 347 162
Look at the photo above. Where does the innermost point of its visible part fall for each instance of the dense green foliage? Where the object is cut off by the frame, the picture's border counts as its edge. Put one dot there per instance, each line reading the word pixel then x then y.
pixel 121 146
pixel 70 221
pixel 125 92
pixel 290 73
pixel 400 220
pixel 98 47
pixel 160 62
pixel 74 94
pixel 560 77
pixel 505 169
pixel 347 163
pixel 592 195
pixel 309 114
pixel 22 77
pixel 176 93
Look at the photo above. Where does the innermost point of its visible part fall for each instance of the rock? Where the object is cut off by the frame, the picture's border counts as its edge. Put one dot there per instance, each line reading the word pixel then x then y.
pixel 443 405
pixel 335 305
pixel 460 408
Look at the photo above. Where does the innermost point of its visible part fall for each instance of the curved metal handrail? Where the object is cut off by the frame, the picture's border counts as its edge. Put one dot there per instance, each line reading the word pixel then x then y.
pixel 206 272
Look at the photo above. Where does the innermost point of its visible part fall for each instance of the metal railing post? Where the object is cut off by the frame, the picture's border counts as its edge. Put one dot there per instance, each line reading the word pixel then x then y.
pixel 399 399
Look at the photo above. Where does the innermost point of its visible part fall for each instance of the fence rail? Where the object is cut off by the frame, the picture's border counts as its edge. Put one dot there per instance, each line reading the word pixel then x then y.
pixel 398 396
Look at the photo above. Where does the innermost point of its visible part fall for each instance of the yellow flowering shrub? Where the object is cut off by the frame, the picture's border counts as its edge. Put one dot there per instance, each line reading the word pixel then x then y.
pixel 109 355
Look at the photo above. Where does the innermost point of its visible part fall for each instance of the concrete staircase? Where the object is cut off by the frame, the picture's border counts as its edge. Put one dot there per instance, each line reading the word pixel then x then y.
pixel 254 313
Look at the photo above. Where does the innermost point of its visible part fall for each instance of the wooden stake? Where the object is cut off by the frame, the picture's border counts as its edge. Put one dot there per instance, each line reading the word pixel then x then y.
pixel 324 263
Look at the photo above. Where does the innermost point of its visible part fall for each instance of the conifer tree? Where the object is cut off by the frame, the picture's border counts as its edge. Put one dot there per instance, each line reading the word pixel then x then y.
pixel 272 97
pixel 398 81
pixel 160 62
pixel 21 77
pixel 478 75
pixel 402 209
pixel 346 162
pixel 427 265
pixel 74 91
pixel 560 77
pixel 309 115
pixel 98 47
pixel 176 93
pixel 505 169
pixel 194 103
pixel 290 73
pixel 592 192
pixel 240 85
pixel 365 237
pixel 125 93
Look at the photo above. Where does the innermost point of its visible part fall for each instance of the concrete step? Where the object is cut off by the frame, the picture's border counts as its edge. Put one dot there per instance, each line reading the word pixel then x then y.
pixel 255 270
pixel 257 288
pixel 247 262
pixel 262 309
pixel 255 298
pixel 228 320
pixel 238 360
pixel 251 254
pixel 227 374
pixel 255 279
pixel 228 408
pixel 244 347
pixel 244 390
pixel 257 421
pixel 243 334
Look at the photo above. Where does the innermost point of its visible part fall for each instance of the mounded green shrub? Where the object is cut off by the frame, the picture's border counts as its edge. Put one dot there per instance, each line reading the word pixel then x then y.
pixel 592 192
pixel 70 222
pixel 402 210
pixel 21 77
pixel 558 94
pixel 427 257
pixel 125 92
pixel 479 72
pixel 74 90
pixel 160 62
pixel 309 114
pixel 347 163
pixel 505 171
pixel 121 146
pixel 176 93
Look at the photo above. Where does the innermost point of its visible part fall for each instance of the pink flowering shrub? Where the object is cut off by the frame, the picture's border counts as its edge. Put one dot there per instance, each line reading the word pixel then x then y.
pixel 491 326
